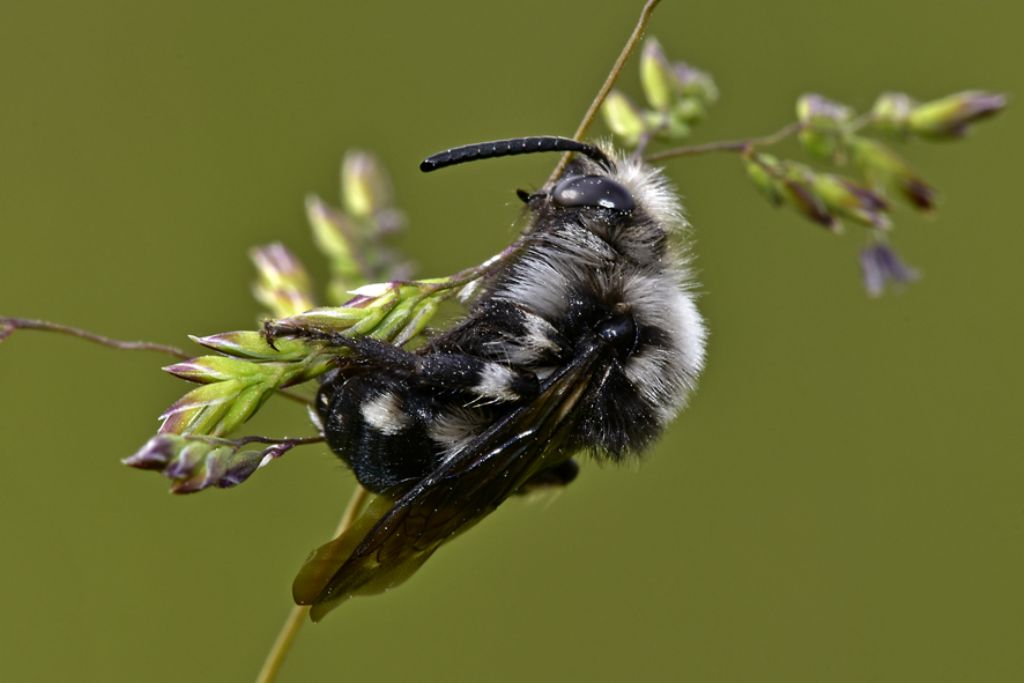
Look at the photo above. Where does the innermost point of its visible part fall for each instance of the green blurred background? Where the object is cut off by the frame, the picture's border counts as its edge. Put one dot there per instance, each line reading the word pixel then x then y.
pixel 843 501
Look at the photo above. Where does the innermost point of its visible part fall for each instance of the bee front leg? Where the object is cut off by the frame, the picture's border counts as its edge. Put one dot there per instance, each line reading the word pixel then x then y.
pixel 487 380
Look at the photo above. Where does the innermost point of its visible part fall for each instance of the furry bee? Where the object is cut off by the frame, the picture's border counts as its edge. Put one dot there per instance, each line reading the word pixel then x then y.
pixel 587 340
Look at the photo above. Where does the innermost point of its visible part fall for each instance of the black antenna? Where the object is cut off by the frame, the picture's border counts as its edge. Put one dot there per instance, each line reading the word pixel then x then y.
pixel 504 148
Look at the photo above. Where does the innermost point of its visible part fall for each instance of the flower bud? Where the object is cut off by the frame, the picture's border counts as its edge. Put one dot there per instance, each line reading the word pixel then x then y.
pixel 852 200
pixel 666 125
pixel 238 466
pixel 283 284
pixel 824 125
pixel 623 118
pixel 689 110
pixel 790 183
pixel 822 144
pixel 798 191
pixel 200 410
pixel 253 344
pixel 819 112
pixel 695 83
pixel 365 186
pixel 891 112
pixel 764 171
pixel 194 463
pixel 423 314
pixel 657 77
pixel 332 230
pixel 951 116
pixel 879 265
pixel 334 318
pixel 154 454
pixel 335 236
pixel 207 369
pixel 883 167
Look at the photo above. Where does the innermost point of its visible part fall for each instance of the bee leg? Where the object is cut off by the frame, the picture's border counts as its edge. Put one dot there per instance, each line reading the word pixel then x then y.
pixel 556 476
pixel 484 379
pixel 364 346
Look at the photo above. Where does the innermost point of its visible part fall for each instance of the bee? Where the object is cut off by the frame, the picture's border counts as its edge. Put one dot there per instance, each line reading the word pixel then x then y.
pixel 588 340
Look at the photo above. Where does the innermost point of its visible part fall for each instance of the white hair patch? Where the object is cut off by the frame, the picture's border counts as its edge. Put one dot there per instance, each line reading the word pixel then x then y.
pixel 384 413
pixel 496 382
pixel 665 376
pixel 455 428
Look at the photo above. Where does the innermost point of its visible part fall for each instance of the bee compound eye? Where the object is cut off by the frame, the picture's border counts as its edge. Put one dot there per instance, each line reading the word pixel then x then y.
pixel 595 191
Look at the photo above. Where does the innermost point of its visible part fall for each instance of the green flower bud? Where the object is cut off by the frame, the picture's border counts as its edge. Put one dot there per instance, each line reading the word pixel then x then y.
pixel 798 190
pixel 283 284
pixel 789 183
pixel 824 125
pixel 245 405
pixel 336 236
pixel 423 314
pixel 666 125
pixel 695 83
pixel 207 369
pixel 252 344
pixel 365 187
pixel 200 410
pixel 822 144
pixel 333 232
pixel 884 168
pixel 339 318
pixel 657 76
pixel 764 170
pixel 951 116
pixel 849 199
pixel 395 320
pixel 689 110
pixel 819 112
pixel 623 118
pixel 891 112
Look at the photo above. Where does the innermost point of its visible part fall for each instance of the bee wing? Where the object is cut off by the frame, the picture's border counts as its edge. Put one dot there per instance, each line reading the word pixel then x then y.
pixel 393 537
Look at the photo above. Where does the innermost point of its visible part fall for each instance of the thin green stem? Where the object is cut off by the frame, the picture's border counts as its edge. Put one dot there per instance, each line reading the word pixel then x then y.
pixel 609 82
pixel 297 616
pixel 12 324
pixel 9 325
pixel 726 145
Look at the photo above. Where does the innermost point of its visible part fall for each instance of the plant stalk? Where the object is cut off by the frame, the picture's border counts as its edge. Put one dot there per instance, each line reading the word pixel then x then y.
pixel 297 616
pixel 609 82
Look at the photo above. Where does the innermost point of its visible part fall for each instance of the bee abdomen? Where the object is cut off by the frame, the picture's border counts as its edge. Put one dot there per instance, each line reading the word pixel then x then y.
pixel 378 430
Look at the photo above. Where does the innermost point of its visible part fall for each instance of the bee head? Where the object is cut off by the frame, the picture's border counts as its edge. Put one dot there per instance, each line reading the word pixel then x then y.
pixel 623 201
pixel 578 187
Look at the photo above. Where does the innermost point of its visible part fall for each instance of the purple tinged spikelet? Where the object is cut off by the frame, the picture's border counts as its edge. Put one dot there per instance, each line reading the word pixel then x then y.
pixel 951 116
pixel 154 454
pixel 880 265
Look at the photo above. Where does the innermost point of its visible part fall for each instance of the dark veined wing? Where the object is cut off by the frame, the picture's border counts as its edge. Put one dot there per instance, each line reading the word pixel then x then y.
pixel 392 538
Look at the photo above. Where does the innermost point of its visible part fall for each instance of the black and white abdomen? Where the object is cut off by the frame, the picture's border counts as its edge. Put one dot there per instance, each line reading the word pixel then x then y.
pixel 370 418
pixel 640 393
